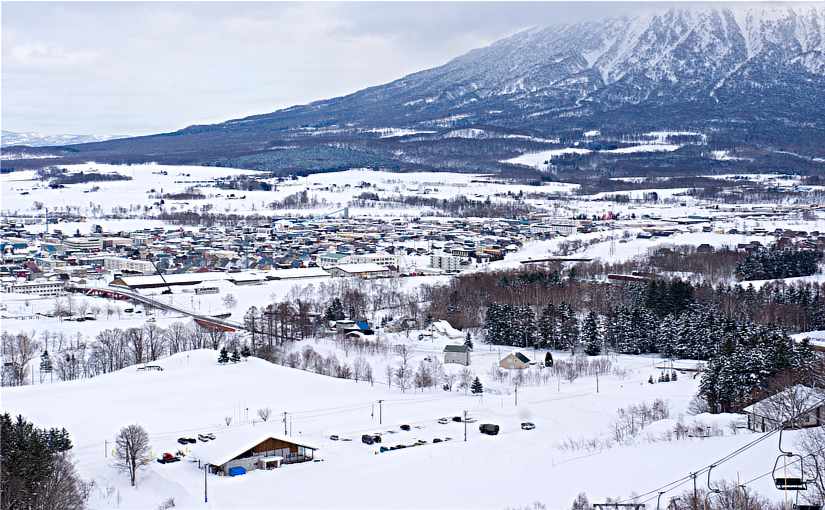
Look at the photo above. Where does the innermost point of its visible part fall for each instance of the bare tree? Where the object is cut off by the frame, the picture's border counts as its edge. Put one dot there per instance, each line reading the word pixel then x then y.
pixel 155 340
pixel 812 444
pixel 136 339
pixel 132 450
pixel 359 368
pixel 792 401
pixel 264 413
pixel 177 335
pixel 228 420
pixel 449 380
pixel 18 351
pixel 229 301
pixel 465 378
pixel 63 490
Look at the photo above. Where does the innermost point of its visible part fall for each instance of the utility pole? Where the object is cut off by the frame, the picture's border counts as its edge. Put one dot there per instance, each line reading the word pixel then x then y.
pixel 205 494
pixel 106 448
pixel 285 413
pixel 597 379
pixel 694 504
pixel 380 411
pixel 465 426
pixel 516 395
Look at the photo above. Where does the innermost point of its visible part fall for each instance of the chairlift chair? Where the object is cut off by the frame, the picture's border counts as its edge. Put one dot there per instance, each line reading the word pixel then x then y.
pixel 781 479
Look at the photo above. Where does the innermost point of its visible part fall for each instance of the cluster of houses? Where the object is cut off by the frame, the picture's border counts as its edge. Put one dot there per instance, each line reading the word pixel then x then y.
pixel 341 247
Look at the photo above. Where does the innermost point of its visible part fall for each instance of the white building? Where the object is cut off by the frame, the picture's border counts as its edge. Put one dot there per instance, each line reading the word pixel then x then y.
pixel 38 287
pixel 381 258
pixel 365 270
pixel 563 227
pixel 126 264
pixel 83 243
pixel 445 262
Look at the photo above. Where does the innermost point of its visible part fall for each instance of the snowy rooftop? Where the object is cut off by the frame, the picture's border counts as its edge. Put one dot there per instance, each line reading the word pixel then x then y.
pixel 367 267
pixel 229 445
pixel 789 402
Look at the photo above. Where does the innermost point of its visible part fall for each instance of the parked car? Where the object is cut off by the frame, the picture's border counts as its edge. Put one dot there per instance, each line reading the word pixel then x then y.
pixel 488 428
pixel 528 425
pixel 457 419
pixel 405 427
pixel 376 438
pixel 367 439
pixel 443 421
pixel 204 437
pixel 183 440
pixel 211 436
pixel 436 440
pixel 333 438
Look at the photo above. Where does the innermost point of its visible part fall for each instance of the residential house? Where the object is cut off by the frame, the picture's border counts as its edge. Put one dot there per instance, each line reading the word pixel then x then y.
pixel 515 360
pixel 797 407
pixel 457 354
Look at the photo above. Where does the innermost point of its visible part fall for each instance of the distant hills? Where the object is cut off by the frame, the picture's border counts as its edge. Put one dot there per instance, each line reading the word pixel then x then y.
pixel 738 88
pixel 8 138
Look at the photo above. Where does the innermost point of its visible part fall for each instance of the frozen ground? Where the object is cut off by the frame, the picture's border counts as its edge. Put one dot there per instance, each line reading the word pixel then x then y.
pixel 194 394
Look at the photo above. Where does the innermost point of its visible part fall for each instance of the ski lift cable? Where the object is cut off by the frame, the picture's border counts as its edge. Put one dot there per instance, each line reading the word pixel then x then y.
pixel 730 455
pixel 763 475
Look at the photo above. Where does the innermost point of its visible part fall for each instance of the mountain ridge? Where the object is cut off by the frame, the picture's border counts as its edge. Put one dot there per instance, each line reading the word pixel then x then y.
pixel 714 69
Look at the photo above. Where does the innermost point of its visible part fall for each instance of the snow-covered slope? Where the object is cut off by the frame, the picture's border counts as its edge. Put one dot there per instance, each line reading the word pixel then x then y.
pixel 193 394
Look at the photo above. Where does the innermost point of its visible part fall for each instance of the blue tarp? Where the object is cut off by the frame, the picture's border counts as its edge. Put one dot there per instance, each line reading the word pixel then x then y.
pixel 237 470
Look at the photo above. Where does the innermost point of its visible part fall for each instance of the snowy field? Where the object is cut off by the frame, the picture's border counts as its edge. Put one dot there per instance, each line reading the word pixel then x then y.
pixel 21 191
pixel 194 394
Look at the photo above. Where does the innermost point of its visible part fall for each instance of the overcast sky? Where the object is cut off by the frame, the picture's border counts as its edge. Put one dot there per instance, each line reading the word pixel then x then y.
pixel 139 68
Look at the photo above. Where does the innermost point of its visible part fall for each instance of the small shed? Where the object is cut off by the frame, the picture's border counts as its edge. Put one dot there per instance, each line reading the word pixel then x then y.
pixel 515 360
pixel 457 354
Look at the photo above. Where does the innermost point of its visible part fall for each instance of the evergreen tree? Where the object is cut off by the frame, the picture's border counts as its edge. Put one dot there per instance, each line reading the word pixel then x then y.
pixel 468 341
pixel 568 335
pixel 548 359
pixel 591 336
pixel 245 352
pixel 32 461
pixel 235 356
pixel 223 357
pixel 46 362
pixel 335 311
pixel 476 388
pixel 547 329
pixel 525 324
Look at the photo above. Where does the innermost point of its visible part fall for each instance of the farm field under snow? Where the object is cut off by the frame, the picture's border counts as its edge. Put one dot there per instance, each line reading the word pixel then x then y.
pixel 194 394
pixel 21 190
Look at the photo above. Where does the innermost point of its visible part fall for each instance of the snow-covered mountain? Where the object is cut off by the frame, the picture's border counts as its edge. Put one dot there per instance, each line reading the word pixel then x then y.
pixel 681 55
pixel 41 140
pixel 750 77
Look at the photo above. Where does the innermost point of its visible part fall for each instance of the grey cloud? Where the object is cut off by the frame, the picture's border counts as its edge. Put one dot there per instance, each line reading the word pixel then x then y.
pixel 138 68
